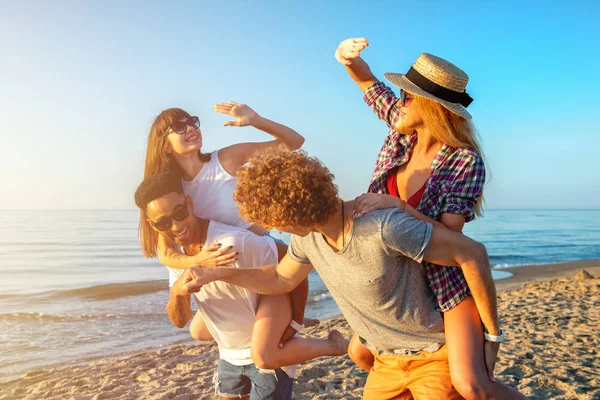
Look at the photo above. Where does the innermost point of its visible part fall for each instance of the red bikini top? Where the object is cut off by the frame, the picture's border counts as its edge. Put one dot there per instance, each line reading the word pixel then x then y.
pixel 392 186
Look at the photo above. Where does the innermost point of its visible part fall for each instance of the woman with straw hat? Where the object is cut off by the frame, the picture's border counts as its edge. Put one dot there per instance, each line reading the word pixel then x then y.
pixel 431 167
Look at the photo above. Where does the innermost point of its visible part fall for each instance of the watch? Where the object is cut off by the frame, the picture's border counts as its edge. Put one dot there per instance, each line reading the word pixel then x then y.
pixel 494 338
pixel 298 327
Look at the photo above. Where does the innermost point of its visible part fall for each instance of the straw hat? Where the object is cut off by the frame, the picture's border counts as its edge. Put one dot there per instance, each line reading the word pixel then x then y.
pixel 436 79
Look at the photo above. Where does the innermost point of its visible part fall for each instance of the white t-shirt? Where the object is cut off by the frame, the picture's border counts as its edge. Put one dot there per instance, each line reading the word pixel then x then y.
pixel 211 192
pixel 229 311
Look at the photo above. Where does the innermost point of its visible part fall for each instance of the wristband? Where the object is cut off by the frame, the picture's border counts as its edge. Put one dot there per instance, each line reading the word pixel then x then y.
pixel 494 338
pixel 298 327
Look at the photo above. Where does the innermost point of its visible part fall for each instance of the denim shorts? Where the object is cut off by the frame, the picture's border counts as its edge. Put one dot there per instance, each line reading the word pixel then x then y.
pixel 233 381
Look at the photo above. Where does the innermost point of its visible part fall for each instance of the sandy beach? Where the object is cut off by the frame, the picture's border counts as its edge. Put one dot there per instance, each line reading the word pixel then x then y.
pixel 550 314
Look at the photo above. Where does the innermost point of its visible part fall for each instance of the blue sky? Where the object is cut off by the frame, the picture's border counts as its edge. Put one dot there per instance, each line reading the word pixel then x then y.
pixel 81 82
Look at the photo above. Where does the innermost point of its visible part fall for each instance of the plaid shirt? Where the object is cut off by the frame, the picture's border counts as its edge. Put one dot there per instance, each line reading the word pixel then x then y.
pixel 455 184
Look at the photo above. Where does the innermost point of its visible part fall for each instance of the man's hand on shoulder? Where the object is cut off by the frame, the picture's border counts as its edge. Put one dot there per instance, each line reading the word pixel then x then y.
pixel 195 278
pixel 178 288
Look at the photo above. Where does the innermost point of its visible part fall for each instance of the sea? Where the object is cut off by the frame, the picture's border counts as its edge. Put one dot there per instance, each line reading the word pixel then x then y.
pixel 75 286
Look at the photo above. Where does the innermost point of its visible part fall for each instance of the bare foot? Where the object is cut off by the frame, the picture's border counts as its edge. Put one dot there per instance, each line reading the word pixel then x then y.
pixel 341 344
pixel 308 322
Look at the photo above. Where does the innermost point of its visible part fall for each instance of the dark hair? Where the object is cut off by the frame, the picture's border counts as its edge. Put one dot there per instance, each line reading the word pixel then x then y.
pixel 156 186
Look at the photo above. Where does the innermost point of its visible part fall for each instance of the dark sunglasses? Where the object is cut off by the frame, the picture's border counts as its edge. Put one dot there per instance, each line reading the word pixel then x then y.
pixel 180 127
pixel 404 96
pixel 180 213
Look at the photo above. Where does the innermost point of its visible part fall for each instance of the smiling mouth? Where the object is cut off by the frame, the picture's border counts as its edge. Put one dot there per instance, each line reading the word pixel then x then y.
pixel 192 138
pixel 179 235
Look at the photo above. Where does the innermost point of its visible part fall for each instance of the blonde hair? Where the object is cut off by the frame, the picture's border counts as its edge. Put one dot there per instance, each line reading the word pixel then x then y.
pixel 157 162
pixel 451 129
pixel 284 188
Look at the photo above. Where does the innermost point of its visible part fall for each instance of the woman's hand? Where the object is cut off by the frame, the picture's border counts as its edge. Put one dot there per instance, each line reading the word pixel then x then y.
pixel 490 351
pixel 243 114
pixel 367 202
pixel 215 255
pixel 350 49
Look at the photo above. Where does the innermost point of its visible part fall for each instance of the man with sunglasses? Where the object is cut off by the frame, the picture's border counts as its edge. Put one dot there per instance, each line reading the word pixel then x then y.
pixel 228 311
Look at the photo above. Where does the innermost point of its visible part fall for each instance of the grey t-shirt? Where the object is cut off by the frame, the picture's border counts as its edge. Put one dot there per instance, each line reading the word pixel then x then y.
pixel 378 281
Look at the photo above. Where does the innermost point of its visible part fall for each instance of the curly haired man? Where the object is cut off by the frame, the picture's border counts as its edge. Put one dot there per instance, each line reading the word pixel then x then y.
pixel 371 266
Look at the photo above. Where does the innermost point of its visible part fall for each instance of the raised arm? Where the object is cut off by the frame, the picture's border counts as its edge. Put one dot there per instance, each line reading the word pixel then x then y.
pixel 273 279
pixel 378 96
pixel 451 248
pixel 210 257
pixel 347 54
pixel 233 157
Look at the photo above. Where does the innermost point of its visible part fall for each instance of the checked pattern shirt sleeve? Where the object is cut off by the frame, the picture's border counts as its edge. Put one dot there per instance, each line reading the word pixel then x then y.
pixel 466 187
pixel 382 101
pixel 462 176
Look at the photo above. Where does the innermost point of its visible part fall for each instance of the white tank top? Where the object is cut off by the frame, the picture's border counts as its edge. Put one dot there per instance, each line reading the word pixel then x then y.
pixel 211 192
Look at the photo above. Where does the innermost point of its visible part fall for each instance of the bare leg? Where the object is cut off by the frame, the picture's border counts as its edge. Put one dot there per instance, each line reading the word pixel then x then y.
pixel 464 338
pixel 198 328
pixel 360 354
pixel 272 318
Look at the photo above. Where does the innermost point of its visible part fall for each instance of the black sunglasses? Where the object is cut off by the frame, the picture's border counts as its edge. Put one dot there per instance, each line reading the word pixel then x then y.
pixel 404 96
pixel 180 127
pixel 180 213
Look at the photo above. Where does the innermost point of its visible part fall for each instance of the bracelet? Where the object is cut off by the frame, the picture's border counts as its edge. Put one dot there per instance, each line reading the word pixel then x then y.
pixel 298 327
pixel 494 338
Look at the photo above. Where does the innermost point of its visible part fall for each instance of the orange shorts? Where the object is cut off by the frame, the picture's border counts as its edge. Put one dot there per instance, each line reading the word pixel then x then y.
pixel 425 376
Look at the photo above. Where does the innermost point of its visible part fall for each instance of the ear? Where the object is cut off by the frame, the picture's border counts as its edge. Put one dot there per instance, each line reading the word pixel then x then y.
pixel 190 203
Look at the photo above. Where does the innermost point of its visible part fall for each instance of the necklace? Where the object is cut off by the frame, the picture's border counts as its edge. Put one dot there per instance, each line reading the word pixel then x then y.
pixel 343 235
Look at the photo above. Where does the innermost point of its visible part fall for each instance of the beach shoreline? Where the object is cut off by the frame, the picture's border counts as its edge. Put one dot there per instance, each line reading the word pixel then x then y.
pixel 539 362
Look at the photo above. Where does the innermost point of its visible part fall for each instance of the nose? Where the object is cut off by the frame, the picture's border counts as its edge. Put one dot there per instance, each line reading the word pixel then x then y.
pixel 177 226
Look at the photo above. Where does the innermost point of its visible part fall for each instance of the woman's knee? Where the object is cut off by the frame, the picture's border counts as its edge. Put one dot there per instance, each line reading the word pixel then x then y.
pixel 201 334
pixel 264 359
pixel 359 354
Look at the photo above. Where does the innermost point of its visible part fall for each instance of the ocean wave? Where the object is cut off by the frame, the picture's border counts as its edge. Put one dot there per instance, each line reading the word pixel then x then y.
pixel 508 265
pixel 114 290
pixel 512 257
pixel 108 291
pixel 315 298
pixel 35 316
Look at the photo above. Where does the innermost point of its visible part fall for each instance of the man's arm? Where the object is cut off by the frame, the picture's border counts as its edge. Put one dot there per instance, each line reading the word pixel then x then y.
pixel 451 248
pixel 178 306
pixel 273 279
